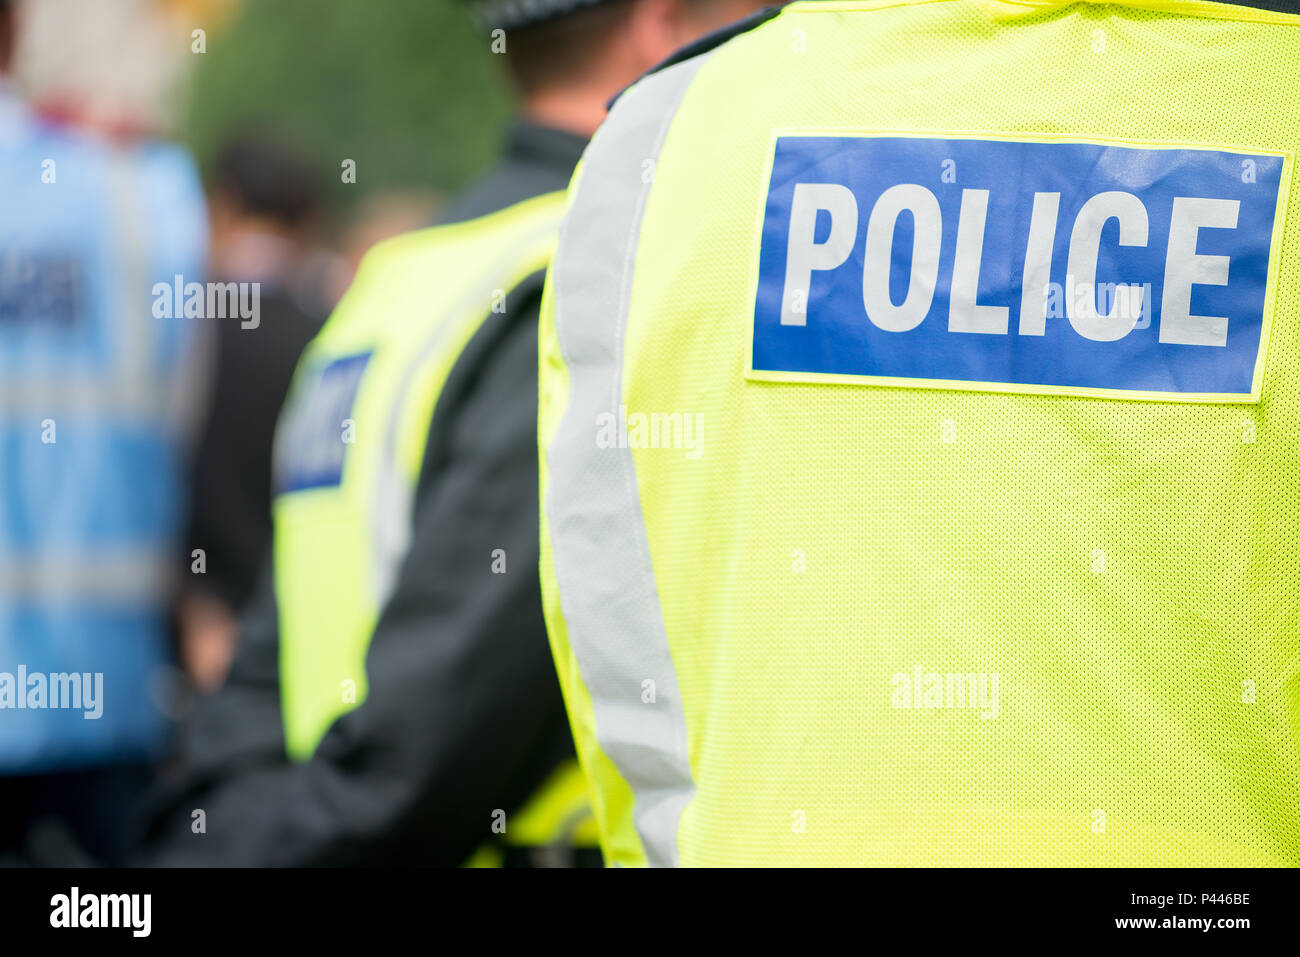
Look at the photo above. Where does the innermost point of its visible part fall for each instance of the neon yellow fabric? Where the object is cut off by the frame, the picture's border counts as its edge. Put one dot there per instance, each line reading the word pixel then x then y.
pixel 416 302
pixel 558 811
pixel 1129 569
pixel 433 285
pixel 558 814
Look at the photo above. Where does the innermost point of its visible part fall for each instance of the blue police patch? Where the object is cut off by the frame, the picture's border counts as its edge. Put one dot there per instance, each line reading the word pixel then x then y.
pixel 1017 265
pixel 312 441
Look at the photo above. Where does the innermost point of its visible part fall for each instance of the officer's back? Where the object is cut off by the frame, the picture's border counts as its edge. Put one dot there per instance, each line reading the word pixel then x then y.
pixel 91 408
pixel 940 503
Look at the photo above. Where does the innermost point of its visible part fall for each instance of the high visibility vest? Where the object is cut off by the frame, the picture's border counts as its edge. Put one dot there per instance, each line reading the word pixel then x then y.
pixel 97 393
pixel 920 442
pixel 351 444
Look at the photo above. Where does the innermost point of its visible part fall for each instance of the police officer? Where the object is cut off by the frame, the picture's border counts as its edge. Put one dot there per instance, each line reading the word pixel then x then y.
pixel 96 403
pixel 415 713
pixel 919 441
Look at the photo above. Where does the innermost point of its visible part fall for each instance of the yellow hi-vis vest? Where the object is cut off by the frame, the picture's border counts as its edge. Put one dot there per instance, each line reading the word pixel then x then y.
pixel 351 445
pixel 921 442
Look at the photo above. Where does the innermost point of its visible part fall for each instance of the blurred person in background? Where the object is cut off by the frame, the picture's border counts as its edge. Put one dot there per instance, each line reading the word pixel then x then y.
pixel 393 699
pixel 97 394
pixel 113 66
pixel 262 203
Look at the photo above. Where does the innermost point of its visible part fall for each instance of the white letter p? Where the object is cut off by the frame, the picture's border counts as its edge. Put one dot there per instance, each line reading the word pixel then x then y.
pixel 803 253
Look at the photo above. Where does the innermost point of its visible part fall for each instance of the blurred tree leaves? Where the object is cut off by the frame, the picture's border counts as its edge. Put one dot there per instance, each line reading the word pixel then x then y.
pixel 407 88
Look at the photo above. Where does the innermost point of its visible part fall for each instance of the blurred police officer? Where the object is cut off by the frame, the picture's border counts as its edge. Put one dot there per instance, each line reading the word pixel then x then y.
pixel 415 714
pixel 920 441
pixel 93 411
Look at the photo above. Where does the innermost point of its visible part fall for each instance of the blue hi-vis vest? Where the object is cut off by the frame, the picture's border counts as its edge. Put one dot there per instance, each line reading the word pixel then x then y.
pixel 90 474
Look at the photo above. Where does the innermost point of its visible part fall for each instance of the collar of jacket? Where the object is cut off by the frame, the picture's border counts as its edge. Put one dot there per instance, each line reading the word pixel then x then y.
pixel 544 145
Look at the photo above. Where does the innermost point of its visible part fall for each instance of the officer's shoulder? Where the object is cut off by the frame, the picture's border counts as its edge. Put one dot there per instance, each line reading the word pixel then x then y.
pixel 394 254
pixel 705 44
pixel 410 249
pixel 419 249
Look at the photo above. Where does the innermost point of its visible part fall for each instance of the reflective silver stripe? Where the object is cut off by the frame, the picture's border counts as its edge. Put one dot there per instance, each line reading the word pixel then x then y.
pixel 394 494
pixel 88 397
pixel 602 558
pixel 117 577
pixel 132 322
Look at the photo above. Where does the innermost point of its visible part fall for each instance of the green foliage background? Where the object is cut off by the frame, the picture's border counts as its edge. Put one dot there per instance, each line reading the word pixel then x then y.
pixel 407 88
